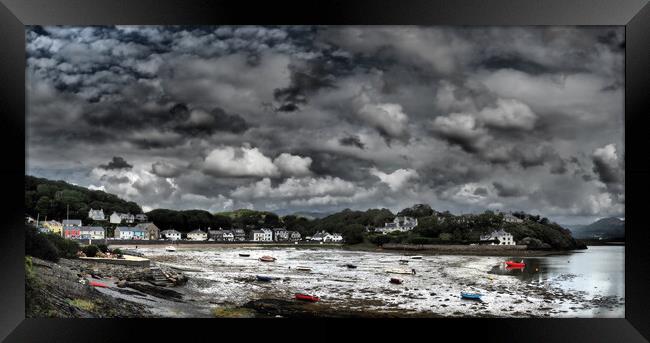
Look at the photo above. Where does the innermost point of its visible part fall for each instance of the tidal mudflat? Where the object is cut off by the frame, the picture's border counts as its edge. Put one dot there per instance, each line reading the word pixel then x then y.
pixel 586 283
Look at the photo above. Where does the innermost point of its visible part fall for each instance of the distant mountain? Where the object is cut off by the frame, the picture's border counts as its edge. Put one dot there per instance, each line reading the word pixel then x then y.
pixel 605 228
pixel 312 215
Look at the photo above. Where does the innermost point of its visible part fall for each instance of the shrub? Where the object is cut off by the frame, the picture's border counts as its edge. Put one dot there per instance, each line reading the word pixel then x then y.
pixel 37 245
pixel 90 250
pixel 379 239
pixel 420 240
pixel 102 247
pixel 67 248
pixel 116 251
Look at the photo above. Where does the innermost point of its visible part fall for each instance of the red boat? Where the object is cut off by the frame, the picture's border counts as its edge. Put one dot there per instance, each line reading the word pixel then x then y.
pixel 97 284
pixel 395 281
pixel 306 297
pixel 515 264
pixel 267 259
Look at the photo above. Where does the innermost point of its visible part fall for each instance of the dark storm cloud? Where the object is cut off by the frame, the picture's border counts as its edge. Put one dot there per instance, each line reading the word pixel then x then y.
pixel 303 117
pixel 116 163
pixel 352 141
pixel 506 191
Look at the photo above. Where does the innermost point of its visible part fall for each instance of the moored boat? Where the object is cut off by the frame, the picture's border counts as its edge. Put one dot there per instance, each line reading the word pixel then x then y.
pixel 170 248
pixel 515 264
pixel 267 259
pixel 97 284
pixel 416 257
pixel 351 266
pixel 307 297
pixel 303 268
pixel 264 278
pixel 400 271
pixel 396 281
pixel 244 255
pixel 471 296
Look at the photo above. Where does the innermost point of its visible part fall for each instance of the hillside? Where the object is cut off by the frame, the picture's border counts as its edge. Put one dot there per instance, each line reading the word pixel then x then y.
pixel 605 228
pixel 51 199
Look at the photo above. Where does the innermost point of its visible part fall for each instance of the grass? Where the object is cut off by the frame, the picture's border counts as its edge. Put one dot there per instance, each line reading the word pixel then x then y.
pixel 82 304
pixel 231 312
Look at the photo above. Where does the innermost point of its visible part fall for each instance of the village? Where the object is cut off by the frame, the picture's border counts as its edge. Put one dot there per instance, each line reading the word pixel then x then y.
pixel 144 230
pixel 136 227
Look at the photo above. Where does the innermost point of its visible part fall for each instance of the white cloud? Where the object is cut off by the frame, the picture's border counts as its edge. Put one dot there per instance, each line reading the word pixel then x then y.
pixel 389 118
pixel 509 113
pixel 244 161
pixel 397 179
pixel 293 164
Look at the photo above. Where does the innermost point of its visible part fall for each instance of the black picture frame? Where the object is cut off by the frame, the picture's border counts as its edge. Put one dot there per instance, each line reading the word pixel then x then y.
pixel 633 14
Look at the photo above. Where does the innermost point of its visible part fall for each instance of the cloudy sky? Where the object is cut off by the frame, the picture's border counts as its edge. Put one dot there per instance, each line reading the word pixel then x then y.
pixel 326 118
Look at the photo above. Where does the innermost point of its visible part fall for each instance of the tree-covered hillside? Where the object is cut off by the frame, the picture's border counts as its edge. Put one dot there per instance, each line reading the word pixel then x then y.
pixel 51 199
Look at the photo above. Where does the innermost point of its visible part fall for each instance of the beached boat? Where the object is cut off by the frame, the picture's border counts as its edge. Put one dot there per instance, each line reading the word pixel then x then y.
pixel 515 264
pixel 396 281
pixel 416 257
pixel 306 297
pixel 471 296
pixel 170 248
pixel 400 271
pixel 351 266
pixel 97 284
pixel 302 268
pixel 267 259
pixel 244 255
pixel 264 278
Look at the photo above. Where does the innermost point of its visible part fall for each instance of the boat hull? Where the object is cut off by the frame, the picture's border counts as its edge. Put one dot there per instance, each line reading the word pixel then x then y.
pixel 305 297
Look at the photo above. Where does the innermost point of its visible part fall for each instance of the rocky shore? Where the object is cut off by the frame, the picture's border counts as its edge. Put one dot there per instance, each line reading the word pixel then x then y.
pixel 63 289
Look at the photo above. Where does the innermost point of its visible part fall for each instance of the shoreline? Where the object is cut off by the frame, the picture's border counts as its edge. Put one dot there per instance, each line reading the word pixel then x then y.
pixel 441 250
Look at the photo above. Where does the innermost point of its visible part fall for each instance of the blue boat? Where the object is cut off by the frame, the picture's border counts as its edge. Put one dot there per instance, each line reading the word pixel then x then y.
pixel 264 278
pixel 472 296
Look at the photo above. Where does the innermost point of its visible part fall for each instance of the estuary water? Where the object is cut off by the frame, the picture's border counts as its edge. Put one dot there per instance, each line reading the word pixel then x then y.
pixel 585 283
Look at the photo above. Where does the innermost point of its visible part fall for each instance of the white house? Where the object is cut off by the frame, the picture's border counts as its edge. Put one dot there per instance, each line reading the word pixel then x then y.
pixel 96 214
pixel 197 235
pixel 125 232
pixel 92 232
pixel 501 236
pixel 402 224
pixel 263 235
pixel 335 237
pixel 72 222
pixel 117 218
pixel 509 218
pixel 171 234
pixel 280 234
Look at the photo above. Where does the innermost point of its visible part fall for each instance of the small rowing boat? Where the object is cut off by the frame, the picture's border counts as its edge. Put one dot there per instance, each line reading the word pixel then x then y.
pixel 416 257
pixel 97 284
pixel 244 255
pixel 351 266
pixel 471 296
pixel 170 248
pixel 304 269
pixel 399 271
pixel 264 278
pixel 396 281
pixel 306 297
pixel 267 259
pixel 515 264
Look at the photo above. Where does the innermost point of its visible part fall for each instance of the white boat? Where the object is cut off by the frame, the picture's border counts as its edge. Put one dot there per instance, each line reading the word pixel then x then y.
pixel 399 271
pixel 170 248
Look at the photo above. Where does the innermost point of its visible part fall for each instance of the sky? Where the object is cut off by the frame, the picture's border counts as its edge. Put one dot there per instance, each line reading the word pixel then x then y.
pixel 319 119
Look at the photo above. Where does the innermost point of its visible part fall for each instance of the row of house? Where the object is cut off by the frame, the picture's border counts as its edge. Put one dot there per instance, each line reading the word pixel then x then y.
pixel 401 224
pixel 323 236
pixel 116 217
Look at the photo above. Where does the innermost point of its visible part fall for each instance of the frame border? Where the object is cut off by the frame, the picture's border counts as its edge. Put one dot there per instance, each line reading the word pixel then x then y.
pixel 633 14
